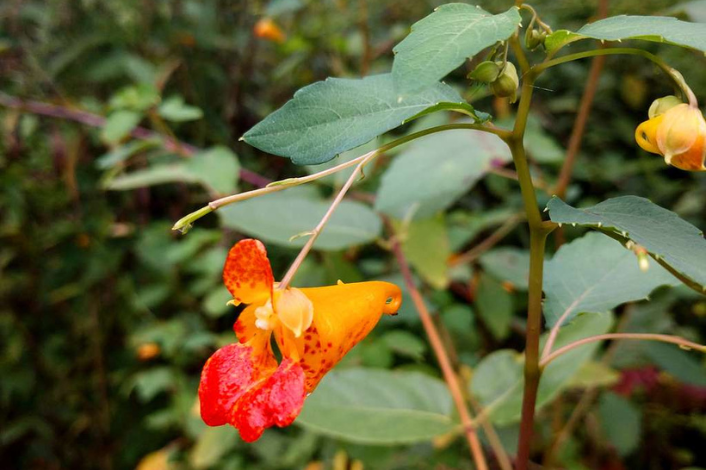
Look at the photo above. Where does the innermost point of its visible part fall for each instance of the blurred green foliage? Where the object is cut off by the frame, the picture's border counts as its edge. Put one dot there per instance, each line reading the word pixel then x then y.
pixel 106 316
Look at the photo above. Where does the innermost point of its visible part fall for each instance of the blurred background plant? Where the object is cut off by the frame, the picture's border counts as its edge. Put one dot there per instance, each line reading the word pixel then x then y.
pixel 118 118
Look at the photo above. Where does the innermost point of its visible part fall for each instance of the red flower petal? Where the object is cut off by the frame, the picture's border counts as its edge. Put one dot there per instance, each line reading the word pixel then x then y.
pixel 275 401
pixel 227 375
pixel 247 273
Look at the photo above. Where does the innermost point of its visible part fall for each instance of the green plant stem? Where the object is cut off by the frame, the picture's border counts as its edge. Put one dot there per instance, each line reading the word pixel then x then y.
pixel 538 236
pixel 441 356
pixel 676 78
pixel 188 220
pixel 679 341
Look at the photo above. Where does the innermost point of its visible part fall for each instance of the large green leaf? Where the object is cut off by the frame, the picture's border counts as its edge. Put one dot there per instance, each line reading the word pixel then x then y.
pixel 649 28
pixel 379 407
pixel 441 42
pixel 596 274
pixel 338 114
pixel 674 243
pixel 498 380
pixel 436 170
pixel 277 217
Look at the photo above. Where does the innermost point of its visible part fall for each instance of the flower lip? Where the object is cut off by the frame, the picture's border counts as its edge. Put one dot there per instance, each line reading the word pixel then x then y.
pixel 677 132
pixel 242 383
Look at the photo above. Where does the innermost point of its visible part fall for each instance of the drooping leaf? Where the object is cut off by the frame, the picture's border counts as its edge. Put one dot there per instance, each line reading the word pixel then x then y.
pixel 436 170
pixel 441 42
pixel 379 407
pixel 277 217
pixel 498 380
pixel 674 243
pixel 623 27
pixel 337 114
pixel 596 274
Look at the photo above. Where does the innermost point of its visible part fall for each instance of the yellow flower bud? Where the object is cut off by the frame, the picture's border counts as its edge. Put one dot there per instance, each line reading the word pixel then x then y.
pixel 507 83
pixel 678 134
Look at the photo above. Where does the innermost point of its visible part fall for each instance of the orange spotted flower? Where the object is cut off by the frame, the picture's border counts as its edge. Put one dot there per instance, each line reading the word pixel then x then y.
pixel 677 131
pixel 242 384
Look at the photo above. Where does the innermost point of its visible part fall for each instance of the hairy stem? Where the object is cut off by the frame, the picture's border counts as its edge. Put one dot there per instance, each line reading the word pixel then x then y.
pixel 324 220
pixel 186 221
pixel 443 358
pixel 676 78
pixel 681 342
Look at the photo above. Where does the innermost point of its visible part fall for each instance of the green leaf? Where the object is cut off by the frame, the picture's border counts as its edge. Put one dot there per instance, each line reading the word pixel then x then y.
pixel 379 407
pixel 684 366
pixel 443 40
pixel 508 264
pixel 596 274
pixel 123 152
pixel 338 114
pixel 648 28
pixel 621 422
pixel 175 109
pixel 426 246
pixel 674 243
pixel 119 124
pixel 218 168
pixel 277 217
pixel 156 174
pixel 405 343
pixel 436 170
pixel 494 306
pixel 498 380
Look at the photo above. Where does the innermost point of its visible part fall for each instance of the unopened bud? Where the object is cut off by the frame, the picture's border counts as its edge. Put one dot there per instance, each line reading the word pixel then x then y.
pixel 534 39
pixel 485 72
pixel 507 83
pixel 662 105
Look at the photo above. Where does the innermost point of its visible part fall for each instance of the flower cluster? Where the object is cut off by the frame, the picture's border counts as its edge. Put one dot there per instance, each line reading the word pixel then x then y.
pixel 242 384
pixel 677 131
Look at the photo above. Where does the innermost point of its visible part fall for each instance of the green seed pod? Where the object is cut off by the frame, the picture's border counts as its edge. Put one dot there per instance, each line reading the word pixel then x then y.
pixel 507 83
pixel 662 105
pixel 485 72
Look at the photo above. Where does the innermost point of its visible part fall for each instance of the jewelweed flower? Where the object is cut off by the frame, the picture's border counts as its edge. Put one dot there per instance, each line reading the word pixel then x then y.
pixel 677 131
pixel 242 384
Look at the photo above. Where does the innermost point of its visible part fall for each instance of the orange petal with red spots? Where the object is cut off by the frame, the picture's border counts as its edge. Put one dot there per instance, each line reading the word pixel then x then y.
pixel 276 401
pixel 247 273
pixel 228 374
pixel 343 316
